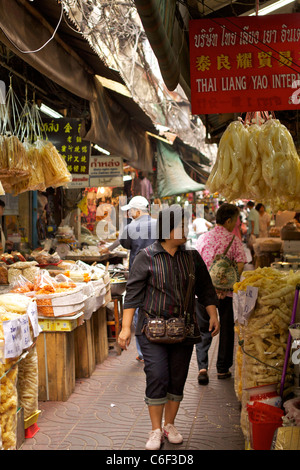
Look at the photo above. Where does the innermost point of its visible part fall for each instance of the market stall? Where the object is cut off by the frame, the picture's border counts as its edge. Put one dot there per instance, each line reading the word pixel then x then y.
pixel 266 378
pixel 61 326
pixel 19 331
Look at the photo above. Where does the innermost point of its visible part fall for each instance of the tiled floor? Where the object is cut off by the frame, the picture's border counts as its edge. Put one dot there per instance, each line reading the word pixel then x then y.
pixel 107 411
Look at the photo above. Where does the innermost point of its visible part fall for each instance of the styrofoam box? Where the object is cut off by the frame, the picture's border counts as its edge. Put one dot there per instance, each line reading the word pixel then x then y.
pixel 63 310
pixel 74 297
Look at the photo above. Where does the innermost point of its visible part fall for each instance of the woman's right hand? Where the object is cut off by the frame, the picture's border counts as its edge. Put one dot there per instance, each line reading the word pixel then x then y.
pixel 124 338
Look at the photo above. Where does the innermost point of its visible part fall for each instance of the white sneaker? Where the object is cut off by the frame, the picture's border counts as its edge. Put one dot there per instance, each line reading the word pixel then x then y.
pixel 171 433
pixel 155 440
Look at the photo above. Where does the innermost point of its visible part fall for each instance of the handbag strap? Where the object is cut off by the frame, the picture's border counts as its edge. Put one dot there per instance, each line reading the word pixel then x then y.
pixel 190 284
pixel 227 249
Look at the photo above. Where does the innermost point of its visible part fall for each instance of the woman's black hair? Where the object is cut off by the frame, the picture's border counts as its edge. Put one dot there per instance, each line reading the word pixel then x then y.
pixel 168 219
pixel 225 212
pixel 258 206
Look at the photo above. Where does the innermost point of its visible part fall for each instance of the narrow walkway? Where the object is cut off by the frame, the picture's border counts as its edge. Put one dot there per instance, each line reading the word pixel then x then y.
pixel 107 411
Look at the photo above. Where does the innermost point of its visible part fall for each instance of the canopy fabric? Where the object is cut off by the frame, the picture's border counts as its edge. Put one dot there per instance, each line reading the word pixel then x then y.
pixel 112 128
pixel 169 43
pixel 171 176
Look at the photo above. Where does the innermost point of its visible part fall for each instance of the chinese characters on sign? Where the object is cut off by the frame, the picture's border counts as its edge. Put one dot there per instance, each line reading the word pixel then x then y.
pixel 65 135
pixel 245 64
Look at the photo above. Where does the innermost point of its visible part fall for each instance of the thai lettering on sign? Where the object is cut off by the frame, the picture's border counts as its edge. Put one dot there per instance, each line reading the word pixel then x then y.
pixel 245 64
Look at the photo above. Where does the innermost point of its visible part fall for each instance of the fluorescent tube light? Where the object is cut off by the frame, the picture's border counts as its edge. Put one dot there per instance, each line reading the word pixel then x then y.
pixel 97 147
pixel 50 112
pixel 272 7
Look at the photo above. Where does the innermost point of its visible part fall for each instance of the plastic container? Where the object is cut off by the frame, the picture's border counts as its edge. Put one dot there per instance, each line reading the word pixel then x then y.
pixel 264 420
pixel 265 394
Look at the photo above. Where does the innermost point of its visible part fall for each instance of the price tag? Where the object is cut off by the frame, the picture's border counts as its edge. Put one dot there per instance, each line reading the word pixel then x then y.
pixel 13 344
pixel 250 301
pixel 244 304
pixel 25 330
pixel 33 316
pixel 238 303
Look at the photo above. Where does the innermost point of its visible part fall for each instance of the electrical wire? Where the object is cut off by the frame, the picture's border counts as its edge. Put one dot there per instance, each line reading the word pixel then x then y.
pixel 241 344
pixel 44 45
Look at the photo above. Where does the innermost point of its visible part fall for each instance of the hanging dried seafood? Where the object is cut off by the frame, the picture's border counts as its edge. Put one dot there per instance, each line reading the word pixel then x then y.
pixel 14 163
pixel 54 166
pixel 45 167
pixel 257 160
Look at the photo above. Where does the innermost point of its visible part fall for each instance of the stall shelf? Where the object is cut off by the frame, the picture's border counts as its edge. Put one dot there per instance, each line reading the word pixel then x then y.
pixel 56 357
pixel 70 347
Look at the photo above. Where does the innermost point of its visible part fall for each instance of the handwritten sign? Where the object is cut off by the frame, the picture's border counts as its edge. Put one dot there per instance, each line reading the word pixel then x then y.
pixel 25 331
pixel 17 336
pixel 33 316
pixel 245 64
pixel 13 343
pixel 244 304
pixel 65 135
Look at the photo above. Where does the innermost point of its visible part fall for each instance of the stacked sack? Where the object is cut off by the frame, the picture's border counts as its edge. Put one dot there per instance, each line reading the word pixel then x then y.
pixel 18 374
pixel 263 336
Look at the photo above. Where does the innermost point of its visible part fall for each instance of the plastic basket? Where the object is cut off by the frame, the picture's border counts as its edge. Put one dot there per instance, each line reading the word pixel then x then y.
pixel 264 420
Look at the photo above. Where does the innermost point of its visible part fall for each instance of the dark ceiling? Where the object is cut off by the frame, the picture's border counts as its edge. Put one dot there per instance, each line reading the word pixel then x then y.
pixel 51 93
pixel 58 98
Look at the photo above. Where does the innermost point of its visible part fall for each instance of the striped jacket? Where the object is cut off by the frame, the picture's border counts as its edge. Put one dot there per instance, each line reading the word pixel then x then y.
pixel 158 282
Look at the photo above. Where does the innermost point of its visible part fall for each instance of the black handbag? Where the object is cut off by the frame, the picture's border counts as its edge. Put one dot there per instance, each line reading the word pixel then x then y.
pixel 176 329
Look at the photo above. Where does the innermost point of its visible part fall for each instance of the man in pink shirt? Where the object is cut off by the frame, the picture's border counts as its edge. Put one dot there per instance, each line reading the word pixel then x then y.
pixel 209 245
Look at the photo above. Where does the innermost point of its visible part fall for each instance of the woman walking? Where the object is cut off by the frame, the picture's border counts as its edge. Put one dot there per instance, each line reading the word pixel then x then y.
pixel 209 245
pixel 158 284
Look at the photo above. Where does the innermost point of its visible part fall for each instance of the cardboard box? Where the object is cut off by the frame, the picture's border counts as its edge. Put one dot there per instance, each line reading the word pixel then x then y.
pixel 62 323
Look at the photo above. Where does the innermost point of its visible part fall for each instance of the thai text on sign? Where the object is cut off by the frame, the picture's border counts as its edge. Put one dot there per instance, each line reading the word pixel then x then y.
pixel 245 64
pixel 106 171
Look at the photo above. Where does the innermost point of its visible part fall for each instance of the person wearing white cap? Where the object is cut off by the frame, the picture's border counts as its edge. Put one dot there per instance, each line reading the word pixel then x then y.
pixel 138 234
pixel 141 232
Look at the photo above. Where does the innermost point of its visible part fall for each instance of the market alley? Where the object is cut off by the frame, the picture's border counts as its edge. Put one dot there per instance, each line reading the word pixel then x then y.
pixel 107 411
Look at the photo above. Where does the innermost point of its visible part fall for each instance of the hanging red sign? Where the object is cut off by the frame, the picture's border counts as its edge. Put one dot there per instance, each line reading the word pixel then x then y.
pixel 245 64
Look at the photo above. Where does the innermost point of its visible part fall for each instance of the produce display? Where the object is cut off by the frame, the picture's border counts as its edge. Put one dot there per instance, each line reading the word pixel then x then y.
pixel 12 307
pixel 28 383
pixel 8 405
pixel 25 270
pixel 46 166
pixel 14 163
pixel 30 167
pixel 257 162
pixel 263 336
pixel 11 258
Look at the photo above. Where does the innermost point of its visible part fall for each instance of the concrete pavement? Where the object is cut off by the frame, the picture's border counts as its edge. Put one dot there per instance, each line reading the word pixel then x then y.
pixel 107 411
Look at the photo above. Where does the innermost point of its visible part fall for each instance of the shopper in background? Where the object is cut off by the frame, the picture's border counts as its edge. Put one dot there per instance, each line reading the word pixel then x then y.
pixel 264 221
pixel 253 227
pixel 158 284
pixel 201 225
pixel 238 227
pixel 209 245
pixel 4 244
pixel 208 214
pixel 253 220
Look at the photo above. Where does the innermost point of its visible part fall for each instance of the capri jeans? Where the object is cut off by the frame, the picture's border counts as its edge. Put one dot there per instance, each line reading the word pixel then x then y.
pixel 166 367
